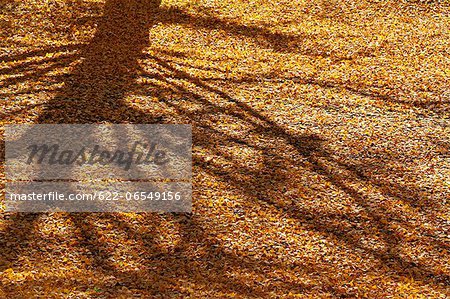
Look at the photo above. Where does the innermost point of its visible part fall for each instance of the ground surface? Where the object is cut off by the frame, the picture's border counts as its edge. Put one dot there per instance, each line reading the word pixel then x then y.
pixel 321 146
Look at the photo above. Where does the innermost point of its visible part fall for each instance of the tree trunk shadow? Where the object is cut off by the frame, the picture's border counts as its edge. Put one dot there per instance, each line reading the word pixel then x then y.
pixel 95 90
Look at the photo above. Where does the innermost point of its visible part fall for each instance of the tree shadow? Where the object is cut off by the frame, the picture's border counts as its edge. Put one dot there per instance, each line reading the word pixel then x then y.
pixel 96 91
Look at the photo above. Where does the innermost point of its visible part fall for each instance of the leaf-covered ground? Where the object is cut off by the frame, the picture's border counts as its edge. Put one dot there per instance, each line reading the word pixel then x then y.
pixel 321 146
